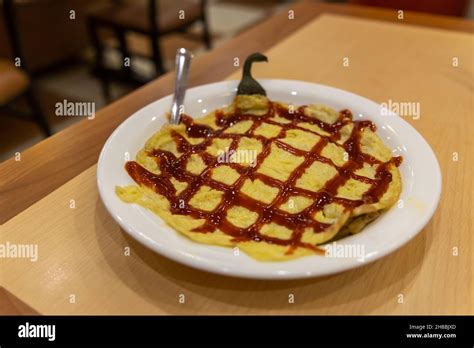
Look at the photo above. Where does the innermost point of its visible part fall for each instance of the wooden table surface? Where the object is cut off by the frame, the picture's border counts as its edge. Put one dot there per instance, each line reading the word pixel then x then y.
pixel 65 162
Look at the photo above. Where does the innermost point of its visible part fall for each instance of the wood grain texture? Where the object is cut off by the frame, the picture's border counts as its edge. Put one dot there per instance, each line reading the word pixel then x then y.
pixel 51 163
pixel 81 250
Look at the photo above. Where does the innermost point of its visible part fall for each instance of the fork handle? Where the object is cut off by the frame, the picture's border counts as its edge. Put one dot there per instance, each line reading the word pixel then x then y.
pixel 183 62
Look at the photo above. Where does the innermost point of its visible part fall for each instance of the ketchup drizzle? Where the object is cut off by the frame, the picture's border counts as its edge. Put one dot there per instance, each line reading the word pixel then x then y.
pixel 173 167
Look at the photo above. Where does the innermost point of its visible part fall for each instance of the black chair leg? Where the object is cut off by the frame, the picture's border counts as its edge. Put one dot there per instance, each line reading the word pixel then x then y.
pixel 37 112
pixel 105 86
pixel 157 58
pixel 205 33
pixel 124 51
pixel 99 60
pixel 205 25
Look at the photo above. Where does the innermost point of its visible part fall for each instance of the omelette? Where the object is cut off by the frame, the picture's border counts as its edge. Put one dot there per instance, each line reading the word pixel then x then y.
pixel 274 180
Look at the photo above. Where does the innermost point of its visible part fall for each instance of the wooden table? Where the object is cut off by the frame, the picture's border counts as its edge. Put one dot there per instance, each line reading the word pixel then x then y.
pixel 35 191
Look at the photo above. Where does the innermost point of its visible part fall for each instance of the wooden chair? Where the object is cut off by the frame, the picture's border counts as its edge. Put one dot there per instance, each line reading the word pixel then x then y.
pixel 16 82
pixel 151 18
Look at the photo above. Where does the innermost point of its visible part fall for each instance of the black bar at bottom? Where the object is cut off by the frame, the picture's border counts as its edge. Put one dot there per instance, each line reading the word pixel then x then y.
pixel 138 330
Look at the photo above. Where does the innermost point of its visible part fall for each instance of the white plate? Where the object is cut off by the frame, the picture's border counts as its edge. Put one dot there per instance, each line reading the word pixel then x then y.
pixel 420 174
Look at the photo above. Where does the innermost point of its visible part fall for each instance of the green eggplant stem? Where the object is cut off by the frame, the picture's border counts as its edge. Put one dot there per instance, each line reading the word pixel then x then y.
pixel 248 85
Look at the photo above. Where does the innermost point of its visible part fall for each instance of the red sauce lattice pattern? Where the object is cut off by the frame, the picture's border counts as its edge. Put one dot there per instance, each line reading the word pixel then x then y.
pixel 172 166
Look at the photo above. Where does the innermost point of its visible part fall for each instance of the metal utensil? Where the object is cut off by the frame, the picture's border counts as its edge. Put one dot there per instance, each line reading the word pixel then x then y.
pixel 183 62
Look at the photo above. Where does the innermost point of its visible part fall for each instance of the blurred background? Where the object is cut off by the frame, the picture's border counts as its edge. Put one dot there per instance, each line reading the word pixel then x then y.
pixel 98 50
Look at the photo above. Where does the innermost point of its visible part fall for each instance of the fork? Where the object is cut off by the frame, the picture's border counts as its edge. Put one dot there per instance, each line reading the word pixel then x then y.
pixel 183 62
